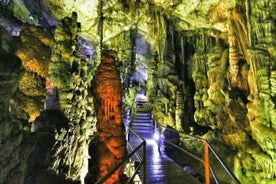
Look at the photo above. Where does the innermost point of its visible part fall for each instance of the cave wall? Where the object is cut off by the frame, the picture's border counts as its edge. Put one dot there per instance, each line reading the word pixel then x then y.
pixel 25 155
pixel 71 75
pixel 55 95
pixel 234 90
pixel 11 136
pixel 225 83
pixel 33 49
pixel 48 114
pixel 198 79
pixel 257 162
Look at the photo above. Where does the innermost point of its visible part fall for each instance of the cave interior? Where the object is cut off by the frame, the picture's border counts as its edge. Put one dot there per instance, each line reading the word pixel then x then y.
pixel 70 72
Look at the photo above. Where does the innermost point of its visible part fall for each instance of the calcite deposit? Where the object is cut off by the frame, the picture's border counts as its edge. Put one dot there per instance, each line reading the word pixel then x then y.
pixel 207 68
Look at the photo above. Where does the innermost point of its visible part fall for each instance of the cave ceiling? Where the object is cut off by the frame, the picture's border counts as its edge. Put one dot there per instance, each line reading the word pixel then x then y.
pixel 119 15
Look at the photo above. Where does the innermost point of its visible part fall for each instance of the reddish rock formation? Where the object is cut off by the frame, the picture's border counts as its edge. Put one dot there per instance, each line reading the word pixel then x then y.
pixel 110 131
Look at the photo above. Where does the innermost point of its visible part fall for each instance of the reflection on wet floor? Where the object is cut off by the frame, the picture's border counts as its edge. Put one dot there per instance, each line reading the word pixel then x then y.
pixel 160 168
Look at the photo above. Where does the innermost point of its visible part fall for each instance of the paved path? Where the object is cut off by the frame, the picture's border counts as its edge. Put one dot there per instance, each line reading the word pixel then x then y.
pixel 160 168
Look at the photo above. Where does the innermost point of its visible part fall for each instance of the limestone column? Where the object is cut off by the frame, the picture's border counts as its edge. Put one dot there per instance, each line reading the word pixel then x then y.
pixel 110 131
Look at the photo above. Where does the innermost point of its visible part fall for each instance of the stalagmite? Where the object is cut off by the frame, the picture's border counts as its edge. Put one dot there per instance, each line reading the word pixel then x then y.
pixel 110 132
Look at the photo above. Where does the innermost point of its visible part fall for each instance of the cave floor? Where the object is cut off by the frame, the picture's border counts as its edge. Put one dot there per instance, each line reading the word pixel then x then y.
pixel 159 167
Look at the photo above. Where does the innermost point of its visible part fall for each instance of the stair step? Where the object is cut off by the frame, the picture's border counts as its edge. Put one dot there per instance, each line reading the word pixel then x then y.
pixel 143 114
pixel 143 107
pixel 142 123
pixel 141 129
pixel 144 132
pixel 135 127
pixel 143 117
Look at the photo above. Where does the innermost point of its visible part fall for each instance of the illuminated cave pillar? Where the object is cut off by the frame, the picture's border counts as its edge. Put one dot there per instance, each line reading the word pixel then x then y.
pixel 110 130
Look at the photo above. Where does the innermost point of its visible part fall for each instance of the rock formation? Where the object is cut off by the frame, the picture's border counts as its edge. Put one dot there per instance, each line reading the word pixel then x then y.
pixel 207 67
pixel 111 144
pixel 74 99
pixel 34 51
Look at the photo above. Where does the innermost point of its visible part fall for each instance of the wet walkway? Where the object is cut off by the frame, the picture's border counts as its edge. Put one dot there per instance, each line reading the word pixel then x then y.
pixel 160 168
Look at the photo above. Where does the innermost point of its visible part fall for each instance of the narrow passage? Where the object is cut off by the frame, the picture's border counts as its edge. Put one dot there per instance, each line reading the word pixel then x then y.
pixel 160 168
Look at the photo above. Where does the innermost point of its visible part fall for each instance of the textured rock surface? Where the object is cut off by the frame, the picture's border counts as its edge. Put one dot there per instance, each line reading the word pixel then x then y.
pixel 111 145
pixel 205 65
pixel 34 51
pixel 71 78
pixel 25 156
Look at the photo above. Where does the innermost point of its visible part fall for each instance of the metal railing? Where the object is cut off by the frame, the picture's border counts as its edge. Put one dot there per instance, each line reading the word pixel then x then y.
pixel 207 148
pixel 134 152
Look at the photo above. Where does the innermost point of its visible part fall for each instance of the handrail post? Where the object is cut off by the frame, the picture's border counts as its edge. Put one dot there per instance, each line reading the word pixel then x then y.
pixel 160 137
pixel 127 132
pixel 206 162
pixel 145 163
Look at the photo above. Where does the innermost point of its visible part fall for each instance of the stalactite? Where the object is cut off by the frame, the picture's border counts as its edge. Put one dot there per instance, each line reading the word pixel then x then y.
pixel 248 15
pixel 199 77
pixel 159 30
pixel 182 58
pixel 233 54
pixel 179 108
pixel 238 24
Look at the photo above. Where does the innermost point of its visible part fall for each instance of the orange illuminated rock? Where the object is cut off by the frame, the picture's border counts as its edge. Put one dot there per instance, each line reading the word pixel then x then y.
pixel 110 131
